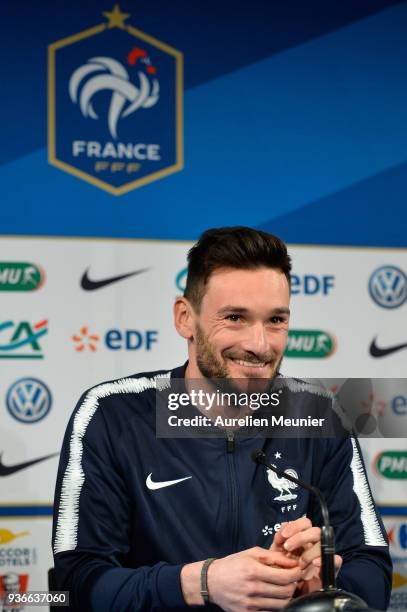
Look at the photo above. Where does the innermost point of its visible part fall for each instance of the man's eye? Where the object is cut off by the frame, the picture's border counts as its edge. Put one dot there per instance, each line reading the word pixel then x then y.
pixel 233 317
pixel 277 320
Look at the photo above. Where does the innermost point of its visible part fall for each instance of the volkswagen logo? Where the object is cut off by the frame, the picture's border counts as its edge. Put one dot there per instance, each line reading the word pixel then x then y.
pixel 28 400
pixel 388 287
pixel 181 279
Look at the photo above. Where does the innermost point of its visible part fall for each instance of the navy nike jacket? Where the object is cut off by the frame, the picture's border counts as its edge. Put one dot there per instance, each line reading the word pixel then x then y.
pixel 122 531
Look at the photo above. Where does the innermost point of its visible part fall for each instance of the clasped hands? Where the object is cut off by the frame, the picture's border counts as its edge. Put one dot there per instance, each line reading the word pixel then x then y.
pixel 301 541
pixel 267 579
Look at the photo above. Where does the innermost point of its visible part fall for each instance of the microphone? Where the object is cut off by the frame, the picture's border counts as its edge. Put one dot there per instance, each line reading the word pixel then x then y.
pixel 329 598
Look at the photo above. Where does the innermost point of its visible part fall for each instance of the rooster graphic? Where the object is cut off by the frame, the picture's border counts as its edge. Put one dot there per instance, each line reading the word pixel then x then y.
pixel 106 73
pixel 283 485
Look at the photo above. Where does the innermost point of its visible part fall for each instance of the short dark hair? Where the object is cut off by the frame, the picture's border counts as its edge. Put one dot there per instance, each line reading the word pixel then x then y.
pixel 232 247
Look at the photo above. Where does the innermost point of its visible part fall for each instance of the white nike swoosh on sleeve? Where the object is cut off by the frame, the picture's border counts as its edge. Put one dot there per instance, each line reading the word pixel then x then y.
pixel 165 483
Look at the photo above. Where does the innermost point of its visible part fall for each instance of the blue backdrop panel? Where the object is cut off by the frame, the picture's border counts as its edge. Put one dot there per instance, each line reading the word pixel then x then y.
pixel 294 115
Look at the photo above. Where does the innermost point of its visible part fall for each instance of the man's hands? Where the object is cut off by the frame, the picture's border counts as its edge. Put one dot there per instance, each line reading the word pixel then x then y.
pixel 261 579
pixel 301 541
pixel 254 579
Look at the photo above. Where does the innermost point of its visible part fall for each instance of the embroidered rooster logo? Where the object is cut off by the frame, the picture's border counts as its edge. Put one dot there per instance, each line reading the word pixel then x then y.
pixel 283 485
pixel 106 73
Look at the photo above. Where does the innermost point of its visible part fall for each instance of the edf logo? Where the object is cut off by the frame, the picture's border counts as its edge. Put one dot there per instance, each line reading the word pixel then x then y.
pixel 399 405
pixel 398 536
pixel 310 284
pixel 115 339
pixel 130 339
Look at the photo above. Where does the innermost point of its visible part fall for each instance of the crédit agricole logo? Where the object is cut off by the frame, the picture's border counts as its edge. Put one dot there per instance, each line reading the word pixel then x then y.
pixel 115 105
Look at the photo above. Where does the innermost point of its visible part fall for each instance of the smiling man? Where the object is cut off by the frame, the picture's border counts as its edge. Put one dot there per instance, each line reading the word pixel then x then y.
pixel 237 333
pixel 149 523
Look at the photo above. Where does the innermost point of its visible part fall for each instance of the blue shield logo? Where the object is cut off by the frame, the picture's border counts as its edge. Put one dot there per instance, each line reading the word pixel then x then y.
pixel 29 400
pixel 115 106
pixel 388 287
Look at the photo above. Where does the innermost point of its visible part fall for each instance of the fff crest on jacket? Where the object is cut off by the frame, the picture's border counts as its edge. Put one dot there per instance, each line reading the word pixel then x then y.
pixel 115 105
pixel 284 487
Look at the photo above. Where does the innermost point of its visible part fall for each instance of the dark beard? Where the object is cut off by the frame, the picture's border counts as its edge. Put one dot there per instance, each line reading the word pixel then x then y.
pixel 208 363
pixel 213 369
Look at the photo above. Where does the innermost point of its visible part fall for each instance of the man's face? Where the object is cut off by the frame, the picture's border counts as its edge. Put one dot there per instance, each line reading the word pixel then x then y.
pixel 241 331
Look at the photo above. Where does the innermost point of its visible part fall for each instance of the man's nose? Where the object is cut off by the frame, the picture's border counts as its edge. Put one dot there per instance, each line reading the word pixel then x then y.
pixel 255 340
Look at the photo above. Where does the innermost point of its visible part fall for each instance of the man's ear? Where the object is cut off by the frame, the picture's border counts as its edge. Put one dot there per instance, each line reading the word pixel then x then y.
pixel 184 319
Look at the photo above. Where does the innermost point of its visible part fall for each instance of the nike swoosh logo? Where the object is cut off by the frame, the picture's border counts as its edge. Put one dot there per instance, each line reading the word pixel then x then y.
pixel 89 285
pixel 153 486
pixel 7 470
pixel 376 351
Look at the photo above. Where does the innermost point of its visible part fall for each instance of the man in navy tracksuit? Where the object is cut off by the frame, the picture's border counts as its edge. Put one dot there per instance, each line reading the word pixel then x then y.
pixel 149 523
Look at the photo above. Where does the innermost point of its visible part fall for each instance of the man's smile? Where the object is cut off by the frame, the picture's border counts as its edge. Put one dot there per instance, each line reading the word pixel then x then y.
pixel 249 367
pixel 250 364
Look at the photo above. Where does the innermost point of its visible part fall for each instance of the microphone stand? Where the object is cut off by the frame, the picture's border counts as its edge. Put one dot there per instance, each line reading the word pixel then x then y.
pixel 329 598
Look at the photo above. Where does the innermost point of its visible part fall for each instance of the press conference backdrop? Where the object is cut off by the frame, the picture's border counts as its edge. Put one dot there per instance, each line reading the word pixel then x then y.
pixel 127 130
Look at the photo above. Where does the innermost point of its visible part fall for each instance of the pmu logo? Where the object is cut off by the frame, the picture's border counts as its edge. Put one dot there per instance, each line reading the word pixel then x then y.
pixel 20 276
pixel 22 340
pixel 392 464
pixel 388 287
pixel 115 105
pixel 309 343
pixel 28 400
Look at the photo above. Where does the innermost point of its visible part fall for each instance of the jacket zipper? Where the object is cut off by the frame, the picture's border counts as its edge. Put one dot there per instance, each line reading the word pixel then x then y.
pixel 230 447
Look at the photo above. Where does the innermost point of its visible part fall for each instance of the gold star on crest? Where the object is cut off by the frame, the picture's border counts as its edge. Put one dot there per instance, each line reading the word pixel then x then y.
pixel 116 18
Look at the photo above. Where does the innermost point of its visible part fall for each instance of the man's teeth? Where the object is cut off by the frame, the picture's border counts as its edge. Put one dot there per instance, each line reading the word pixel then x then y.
pixel 251 364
